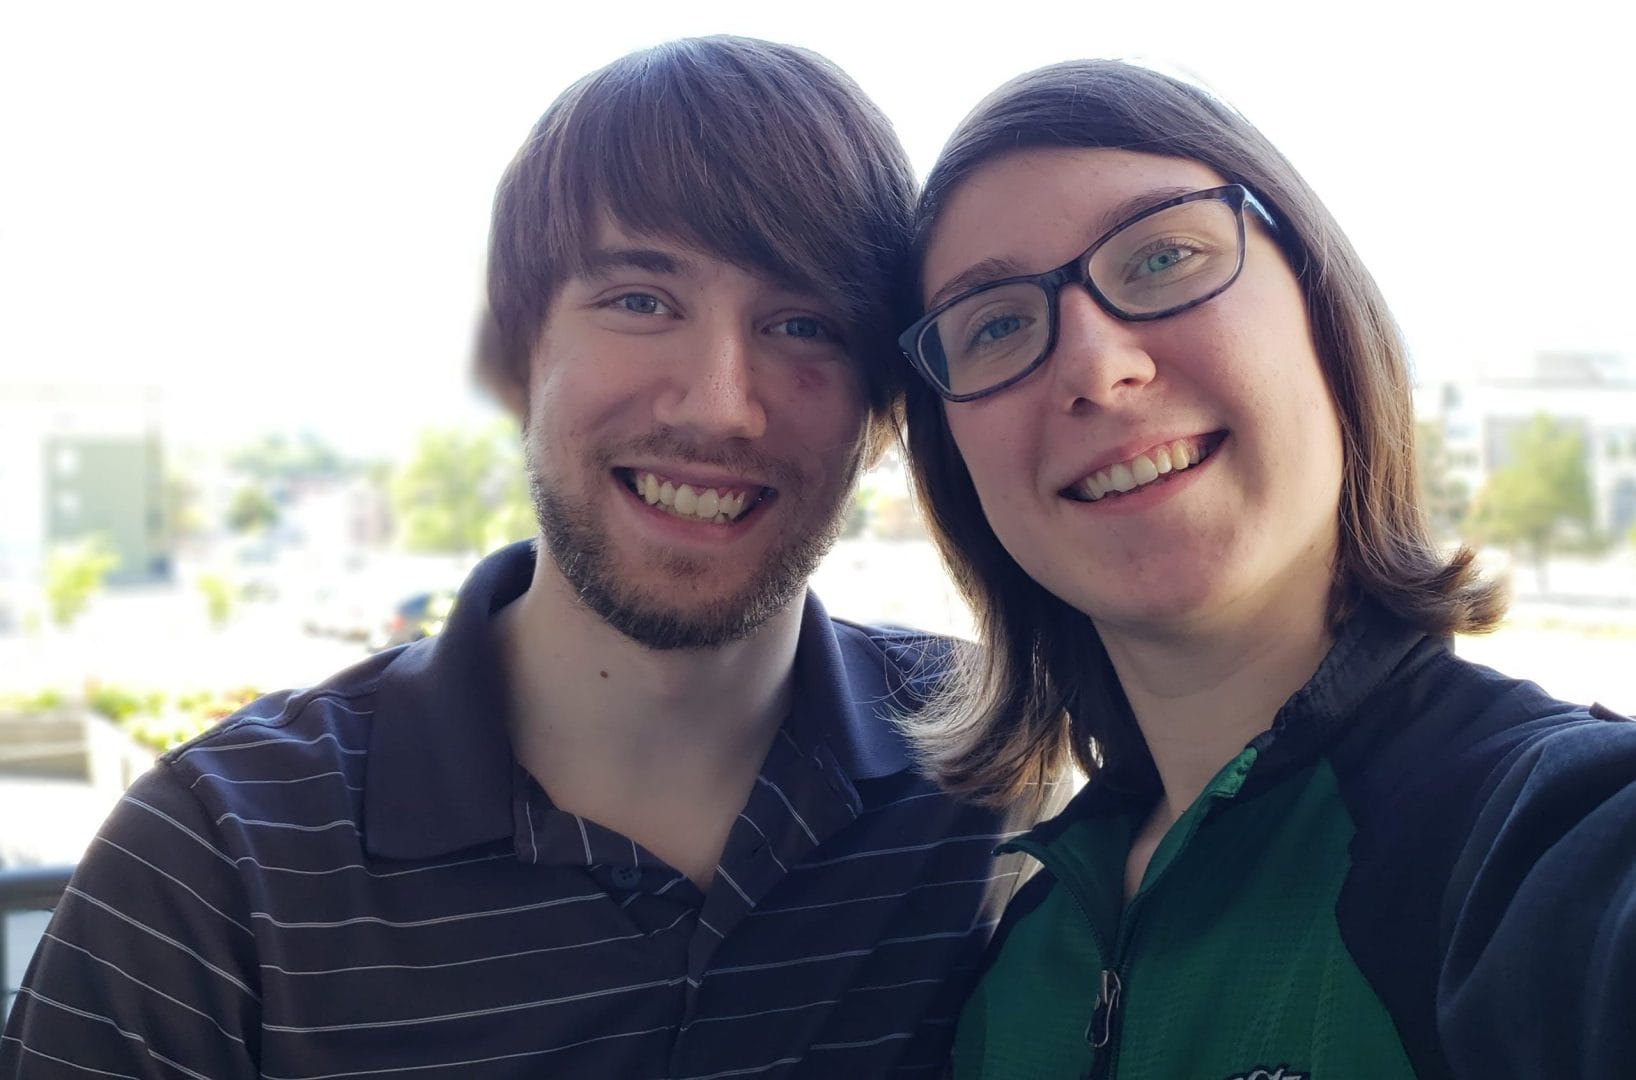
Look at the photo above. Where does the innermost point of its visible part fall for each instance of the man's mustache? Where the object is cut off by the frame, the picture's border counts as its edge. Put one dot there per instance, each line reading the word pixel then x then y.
pixel 668 444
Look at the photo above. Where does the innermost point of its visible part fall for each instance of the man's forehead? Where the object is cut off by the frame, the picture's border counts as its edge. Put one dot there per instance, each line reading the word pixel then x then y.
pixel 617 245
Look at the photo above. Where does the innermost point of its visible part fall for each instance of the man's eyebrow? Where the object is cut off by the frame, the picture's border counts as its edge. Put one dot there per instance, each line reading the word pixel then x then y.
pixel 604 261
pixel 996 269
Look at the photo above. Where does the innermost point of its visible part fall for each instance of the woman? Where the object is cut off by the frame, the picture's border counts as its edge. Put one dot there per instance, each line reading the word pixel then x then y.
pixel 1165 438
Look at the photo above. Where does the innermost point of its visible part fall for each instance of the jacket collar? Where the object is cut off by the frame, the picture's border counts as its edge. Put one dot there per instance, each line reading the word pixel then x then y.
pixel 1370 645
pixel 441 774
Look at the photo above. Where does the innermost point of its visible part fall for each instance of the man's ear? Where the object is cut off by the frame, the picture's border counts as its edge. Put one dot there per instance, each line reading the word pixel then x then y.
pixel 504 377
pixel 507 387
pixel 512 392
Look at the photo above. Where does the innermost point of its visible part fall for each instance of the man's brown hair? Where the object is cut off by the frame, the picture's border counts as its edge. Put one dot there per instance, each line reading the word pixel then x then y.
pixel 1043 691
pixel 765 155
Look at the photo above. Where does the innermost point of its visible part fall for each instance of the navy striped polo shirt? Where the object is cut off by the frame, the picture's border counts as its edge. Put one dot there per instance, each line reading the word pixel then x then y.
pixel 359 880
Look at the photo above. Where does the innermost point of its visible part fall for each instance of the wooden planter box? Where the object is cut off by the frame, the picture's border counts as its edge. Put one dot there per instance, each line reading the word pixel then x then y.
pixel 71 742
pixel 114 759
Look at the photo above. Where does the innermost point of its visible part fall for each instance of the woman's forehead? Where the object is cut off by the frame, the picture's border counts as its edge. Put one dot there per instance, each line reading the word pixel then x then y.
pixel 1033 209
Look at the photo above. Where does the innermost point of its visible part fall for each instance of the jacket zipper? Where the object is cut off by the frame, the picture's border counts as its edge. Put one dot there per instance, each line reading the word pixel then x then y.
pixel 1110 981
pixel 1101 1029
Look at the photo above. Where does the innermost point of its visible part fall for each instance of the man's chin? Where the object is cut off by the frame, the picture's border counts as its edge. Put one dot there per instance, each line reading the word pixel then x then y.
pixel 675 599
pixel 672 627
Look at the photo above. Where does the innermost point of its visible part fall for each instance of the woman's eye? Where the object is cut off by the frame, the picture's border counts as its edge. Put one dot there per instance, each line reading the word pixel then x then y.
pixel 1157 262
pixel 996 329
pixel 1160 261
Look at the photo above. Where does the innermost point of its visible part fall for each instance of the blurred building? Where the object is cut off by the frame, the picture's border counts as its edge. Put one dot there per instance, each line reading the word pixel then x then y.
pixel 1592 393
pixel 338 513
pixel 77 462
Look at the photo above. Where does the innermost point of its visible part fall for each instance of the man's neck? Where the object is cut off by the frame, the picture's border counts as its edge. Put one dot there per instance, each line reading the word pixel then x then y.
pixel 658 744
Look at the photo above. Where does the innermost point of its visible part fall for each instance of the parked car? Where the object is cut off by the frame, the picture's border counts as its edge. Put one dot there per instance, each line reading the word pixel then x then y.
pixel 416 616
pixel 341 609
pixel 356 598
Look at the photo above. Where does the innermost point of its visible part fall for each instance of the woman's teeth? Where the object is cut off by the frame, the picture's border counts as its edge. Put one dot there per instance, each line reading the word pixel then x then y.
pixel 1141 470
pixel 685 500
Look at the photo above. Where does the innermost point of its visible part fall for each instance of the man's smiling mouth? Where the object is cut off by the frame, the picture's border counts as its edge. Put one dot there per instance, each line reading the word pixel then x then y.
pixel 719 505
pixel 1151 466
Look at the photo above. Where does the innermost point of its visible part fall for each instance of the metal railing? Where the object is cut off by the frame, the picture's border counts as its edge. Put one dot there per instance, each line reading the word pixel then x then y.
pixel 24 889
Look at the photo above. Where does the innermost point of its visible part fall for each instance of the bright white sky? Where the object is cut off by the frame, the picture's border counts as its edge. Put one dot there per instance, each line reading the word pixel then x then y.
pixel 277 212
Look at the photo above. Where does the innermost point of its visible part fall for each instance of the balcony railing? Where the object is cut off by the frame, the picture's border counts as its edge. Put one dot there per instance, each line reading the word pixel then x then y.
pixel 24 890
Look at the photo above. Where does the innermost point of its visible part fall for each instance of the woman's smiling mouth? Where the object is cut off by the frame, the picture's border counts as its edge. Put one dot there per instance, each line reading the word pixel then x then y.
pixel 1149 467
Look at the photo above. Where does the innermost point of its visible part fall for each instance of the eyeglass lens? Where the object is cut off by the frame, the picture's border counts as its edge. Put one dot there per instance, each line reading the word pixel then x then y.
pixel 1152 266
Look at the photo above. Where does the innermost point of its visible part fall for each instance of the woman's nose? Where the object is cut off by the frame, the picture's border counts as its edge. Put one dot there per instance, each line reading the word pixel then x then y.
pixel 1098 359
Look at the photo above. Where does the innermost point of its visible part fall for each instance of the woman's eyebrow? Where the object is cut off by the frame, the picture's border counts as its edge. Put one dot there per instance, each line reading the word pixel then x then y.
pixel 998 268
pixel 1121 211
pixel 971 277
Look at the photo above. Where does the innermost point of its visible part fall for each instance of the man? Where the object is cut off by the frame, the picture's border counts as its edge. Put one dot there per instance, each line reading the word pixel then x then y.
pixel 639 810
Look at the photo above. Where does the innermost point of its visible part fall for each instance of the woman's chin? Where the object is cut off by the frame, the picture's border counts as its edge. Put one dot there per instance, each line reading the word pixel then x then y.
pixel 1156 612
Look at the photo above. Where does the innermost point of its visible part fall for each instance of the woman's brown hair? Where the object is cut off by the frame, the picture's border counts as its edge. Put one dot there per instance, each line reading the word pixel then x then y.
pixel 1042 692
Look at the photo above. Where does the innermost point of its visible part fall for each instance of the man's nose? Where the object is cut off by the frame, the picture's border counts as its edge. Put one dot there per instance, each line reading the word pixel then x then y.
pixel 1098 358
pixel 715 393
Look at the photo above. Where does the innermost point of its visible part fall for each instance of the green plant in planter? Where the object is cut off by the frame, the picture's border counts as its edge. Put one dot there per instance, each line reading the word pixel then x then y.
pixel 120 703
pixel 32 704
pixel 164 723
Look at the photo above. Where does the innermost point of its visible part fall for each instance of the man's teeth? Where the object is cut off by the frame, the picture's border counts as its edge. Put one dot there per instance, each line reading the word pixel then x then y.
pixel 1140 470
pixel 684 500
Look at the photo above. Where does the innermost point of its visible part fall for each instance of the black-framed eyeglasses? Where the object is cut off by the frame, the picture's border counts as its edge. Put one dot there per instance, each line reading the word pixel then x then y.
pixel 1162 261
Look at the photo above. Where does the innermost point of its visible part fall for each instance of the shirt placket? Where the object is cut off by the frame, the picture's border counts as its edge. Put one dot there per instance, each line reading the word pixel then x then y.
pixel 801 798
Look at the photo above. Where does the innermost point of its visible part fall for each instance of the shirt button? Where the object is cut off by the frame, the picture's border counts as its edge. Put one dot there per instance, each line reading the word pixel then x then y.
pixel 627 877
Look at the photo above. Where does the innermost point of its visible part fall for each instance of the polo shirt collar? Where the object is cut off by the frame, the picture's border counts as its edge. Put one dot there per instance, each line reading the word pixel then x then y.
pixel 440 776
pixel 439 773
pixel 839 697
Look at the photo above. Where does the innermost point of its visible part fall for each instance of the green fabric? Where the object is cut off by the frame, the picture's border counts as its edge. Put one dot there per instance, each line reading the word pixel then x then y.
pixel 1229 955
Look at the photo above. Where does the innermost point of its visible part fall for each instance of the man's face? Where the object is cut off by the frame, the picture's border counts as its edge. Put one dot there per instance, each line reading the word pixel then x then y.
pixel 694 434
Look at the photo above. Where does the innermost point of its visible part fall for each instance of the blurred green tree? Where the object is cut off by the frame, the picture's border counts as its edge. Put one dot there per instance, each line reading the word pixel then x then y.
pixel 184 518
pixel 277 458
pixel 1447 499
pixel 74 574
pixel 1547 487
pixel 221 597
pixel 252 509
pixel 463 492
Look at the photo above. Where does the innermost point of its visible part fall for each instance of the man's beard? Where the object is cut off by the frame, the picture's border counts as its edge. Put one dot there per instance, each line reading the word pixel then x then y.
pixel 582 550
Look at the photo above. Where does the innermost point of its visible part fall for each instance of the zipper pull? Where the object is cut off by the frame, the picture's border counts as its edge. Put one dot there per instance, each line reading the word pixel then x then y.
pixel 1099 1032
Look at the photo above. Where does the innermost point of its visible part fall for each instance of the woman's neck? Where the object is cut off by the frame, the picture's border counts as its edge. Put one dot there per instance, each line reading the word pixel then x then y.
pixel 1201 693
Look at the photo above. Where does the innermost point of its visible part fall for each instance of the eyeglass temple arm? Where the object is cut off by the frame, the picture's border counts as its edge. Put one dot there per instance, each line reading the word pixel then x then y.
pixel 1261 211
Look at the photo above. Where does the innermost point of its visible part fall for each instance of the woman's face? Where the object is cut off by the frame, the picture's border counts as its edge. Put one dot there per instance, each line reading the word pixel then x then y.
pixel 1245 533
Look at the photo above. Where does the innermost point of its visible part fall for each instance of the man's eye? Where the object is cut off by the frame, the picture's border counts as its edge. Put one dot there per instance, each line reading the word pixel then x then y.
pixel 805 327
pixel 639 303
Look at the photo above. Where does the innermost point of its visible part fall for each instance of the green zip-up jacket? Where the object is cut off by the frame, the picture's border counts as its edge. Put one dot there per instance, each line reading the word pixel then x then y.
pixel 1422 869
